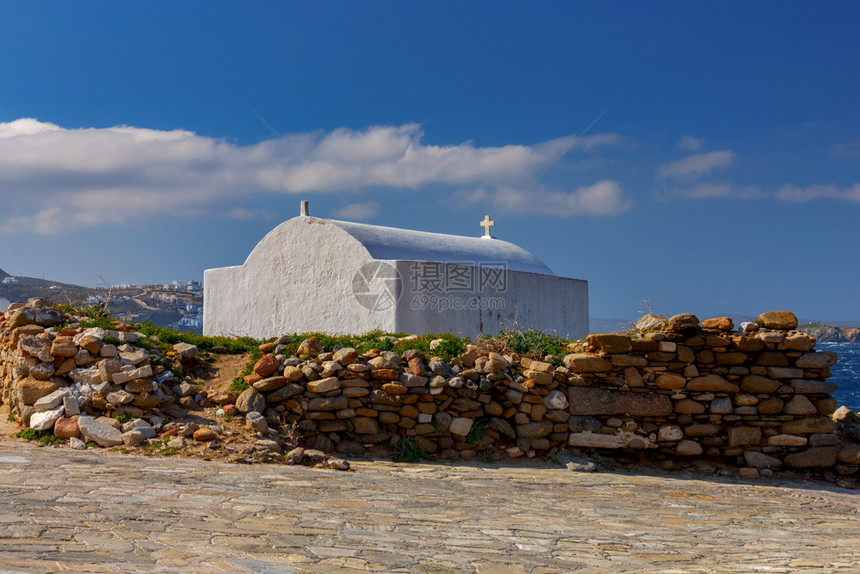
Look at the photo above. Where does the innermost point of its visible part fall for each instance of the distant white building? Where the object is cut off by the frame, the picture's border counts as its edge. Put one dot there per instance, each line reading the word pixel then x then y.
pixel 194 324
pixel 10 281
pixel 311 274
pixel 166 297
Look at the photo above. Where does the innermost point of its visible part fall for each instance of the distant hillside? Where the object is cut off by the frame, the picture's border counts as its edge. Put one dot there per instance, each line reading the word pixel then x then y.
pixel 146 303
pixel 832 333
pixel 54 291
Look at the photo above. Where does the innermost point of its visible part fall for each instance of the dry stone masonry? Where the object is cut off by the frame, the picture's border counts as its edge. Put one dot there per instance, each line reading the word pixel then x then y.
pixel 75 382
pixel 757 397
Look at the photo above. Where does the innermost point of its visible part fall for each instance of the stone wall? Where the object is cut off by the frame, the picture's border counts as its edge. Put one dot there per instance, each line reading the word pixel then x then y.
pixel 755 397
pixel 75 382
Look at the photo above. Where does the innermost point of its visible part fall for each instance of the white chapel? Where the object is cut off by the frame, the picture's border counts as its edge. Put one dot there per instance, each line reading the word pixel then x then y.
pixel 311 274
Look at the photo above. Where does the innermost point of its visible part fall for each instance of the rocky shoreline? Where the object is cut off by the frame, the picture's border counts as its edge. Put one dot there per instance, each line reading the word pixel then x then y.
pixel 832 333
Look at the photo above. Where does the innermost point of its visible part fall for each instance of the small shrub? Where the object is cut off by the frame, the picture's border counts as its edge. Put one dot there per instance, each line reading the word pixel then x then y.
pixel 256 354
pixel 67 309
pixel 478 432
pixel 536 343
pixel 100 322
pixel 239 385
pixel 385 345
pixel 153 446
pixel 487 456
pixel 50 439
pixel 406 450
pixel 159 360
pixel 124 417
pixel 31 434
pixel 10 418
pixel 449 348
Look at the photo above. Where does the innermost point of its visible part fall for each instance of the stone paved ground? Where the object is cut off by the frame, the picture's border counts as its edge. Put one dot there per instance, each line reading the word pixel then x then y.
pixel 64 510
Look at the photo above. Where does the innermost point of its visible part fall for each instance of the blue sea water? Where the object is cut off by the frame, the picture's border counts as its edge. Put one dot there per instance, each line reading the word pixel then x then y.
pixel 846 373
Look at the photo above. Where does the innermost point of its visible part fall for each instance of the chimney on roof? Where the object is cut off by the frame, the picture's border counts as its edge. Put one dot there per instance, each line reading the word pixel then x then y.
pixel 304 212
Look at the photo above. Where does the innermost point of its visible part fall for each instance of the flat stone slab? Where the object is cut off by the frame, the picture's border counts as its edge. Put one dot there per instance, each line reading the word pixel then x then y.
pixel 13 460
pixel 594 401
pixel 97 511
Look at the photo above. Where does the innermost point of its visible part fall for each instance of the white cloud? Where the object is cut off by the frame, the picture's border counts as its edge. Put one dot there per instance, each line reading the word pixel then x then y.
pixel 26 127
pixel 711 191
pixel 847 149
pixel 602 198
pixel 358 211
pixel 792 193
pixel 787 192
pixel 56 179
pixel 697 164
pixel 690 143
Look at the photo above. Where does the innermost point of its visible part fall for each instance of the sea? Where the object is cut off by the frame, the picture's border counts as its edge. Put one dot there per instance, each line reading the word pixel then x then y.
pixel 846 373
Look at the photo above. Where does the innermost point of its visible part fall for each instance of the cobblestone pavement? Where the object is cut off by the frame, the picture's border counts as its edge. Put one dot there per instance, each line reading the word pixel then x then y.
pixel 64 510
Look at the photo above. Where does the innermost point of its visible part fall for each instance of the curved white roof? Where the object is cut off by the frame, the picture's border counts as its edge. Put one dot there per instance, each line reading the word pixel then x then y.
pixel 408 245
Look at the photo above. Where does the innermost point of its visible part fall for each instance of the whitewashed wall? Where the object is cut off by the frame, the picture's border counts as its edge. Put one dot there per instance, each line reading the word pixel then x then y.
pixel 547 303
pixel 299 278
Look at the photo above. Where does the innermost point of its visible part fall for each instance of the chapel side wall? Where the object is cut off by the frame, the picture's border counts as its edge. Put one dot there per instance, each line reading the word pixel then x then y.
pixel 225 306
pixel 290 284
pixel 547 303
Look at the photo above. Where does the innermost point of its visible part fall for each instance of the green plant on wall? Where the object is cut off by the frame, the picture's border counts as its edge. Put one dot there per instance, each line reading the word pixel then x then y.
pixel 478 432
pixel 407 450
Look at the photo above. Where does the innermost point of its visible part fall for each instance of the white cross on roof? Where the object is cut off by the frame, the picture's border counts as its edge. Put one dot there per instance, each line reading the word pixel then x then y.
pixel 487 224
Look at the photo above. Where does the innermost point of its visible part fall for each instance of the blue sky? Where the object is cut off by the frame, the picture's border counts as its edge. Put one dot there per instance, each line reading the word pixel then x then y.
pixel 703 155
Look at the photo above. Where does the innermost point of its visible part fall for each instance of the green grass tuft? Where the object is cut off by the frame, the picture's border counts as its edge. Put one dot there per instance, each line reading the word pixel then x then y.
pixel 478 432
pixel 487 456
pixel 537 343
pixel 124 417
pixel 239 385
pixel 406 450
pixel 165 338
pixel 43 436
pixel 450 347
